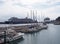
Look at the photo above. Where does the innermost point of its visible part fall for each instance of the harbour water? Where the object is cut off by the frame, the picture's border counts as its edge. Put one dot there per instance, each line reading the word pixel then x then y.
pixel 47 36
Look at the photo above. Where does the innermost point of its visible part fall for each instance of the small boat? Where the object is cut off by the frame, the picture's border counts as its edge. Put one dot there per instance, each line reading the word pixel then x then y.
pixel 18 36
pixel 44 26
pixel 11 36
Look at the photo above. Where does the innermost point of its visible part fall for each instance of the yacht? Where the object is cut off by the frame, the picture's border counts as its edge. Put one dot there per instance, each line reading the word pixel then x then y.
pixel 11 35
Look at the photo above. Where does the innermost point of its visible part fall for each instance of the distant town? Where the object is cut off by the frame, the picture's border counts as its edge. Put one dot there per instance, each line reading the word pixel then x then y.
pixel 15 20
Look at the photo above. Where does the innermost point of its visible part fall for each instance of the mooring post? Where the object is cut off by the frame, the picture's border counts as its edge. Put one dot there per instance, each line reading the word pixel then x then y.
pixel 4 37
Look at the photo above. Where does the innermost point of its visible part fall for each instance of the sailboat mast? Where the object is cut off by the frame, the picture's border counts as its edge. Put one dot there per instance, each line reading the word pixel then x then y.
pixel 41 16
pixel 33 15
pixel 36 15
pixel 27 15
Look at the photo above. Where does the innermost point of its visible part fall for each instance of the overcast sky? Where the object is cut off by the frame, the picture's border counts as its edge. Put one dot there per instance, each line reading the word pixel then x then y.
pixel 19 8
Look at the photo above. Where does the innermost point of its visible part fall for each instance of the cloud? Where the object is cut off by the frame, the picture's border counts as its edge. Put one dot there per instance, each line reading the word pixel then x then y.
pixel 52 12
pixel 20 8
pixel 46 5
pixel 1 3
pixel 40 4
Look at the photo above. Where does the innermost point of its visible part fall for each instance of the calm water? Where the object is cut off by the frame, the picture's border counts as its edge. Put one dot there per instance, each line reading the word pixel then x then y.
pixel 49 36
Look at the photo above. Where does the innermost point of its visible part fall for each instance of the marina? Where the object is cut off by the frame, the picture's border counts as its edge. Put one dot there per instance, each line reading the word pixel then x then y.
pixel 44 36
pixel 12 32
pixel 49 36
pixel 29 21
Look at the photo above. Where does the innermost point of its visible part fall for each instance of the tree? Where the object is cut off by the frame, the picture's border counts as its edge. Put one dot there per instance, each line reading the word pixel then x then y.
pixel 58 18
pixel 13 18
pixel 47 19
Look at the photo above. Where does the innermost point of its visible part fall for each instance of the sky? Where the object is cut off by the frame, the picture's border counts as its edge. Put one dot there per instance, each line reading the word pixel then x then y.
pixel 23 8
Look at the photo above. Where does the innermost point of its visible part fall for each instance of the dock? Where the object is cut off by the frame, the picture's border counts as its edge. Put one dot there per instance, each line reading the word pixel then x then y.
pixel 34 27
